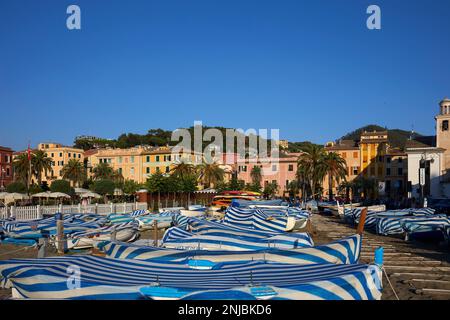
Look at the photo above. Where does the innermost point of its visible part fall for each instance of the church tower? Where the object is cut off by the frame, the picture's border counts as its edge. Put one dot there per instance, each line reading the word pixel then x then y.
pixel 443 130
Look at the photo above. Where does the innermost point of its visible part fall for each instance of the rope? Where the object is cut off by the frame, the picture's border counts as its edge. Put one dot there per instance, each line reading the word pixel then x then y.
pixel 390 284
pixel 14 251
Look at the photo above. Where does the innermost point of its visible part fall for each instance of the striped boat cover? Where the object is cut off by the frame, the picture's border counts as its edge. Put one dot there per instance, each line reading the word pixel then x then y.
pixel 346 251
pixel 389 225
pixel 386 222
pixel 104 230
pixel 263 218
pixel 426 224
pixel 203 226
pixel 224 240
pixel 106 278
pixel 263 221
pixel 34 232
pixel 137 213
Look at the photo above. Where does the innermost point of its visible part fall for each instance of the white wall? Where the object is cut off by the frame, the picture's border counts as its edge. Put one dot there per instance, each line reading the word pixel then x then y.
pixel 436 188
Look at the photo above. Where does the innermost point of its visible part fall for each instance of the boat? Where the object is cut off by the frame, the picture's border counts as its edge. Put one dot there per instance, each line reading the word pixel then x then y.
pixel 107 278
pixel 343 251
pixel 192 213
pixel 225 198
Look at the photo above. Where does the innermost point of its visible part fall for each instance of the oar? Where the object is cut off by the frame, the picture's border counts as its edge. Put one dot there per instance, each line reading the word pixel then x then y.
pixel 362 221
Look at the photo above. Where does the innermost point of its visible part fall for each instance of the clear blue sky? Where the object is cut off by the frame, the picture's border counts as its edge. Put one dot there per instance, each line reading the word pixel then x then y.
pixel 310 68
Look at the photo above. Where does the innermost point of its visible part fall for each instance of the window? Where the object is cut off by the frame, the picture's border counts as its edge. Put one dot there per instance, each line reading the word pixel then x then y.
pixel 60 154
pixel 380 158
pixel 69 154
pixel 365 159
pixel 120 170
pixel 169 158
pixel 167 169
pixel 445 125
pixel 400 171
pixel 79 156
pixel 287 183
pixel 132 159
pixel 344 155
pixel 400 160
pixel 132 170
pixel 388 171
pixel 147 170
pixel 291 167
pixel 147 159
pixel 7 172
pixel 355 170
pixel 355 155
pixel 119 160
pixel 388 159
pixel 157 158
pixel 53 155
pixel 274 167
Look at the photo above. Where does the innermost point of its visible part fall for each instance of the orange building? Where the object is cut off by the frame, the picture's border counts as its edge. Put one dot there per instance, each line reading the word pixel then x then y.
pixel 350 151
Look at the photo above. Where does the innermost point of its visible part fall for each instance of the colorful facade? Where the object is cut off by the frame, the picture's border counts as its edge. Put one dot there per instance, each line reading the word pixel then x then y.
pixel 280 170
pixel 350 151
pixel 60 156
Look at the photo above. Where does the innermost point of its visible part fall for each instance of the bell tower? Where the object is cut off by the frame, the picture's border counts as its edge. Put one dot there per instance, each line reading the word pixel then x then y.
pixel 443 130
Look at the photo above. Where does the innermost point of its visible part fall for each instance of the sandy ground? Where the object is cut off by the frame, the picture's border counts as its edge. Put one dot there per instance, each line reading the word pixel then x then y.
pixel 424 260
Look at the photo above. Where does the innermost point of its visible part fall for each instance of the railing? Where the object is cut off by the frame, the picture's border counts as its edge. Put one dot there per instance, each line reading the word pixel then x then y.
pixel 37 212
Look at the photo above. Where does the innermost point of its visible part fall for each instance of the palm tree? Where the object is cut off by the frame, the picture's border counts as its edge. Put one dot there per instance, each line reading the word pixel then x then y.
pixel 74 171
pixel 256 176
pixel 311 164
pixel 104 171
pixel 21 167
pixel 182 170
pixel 293 188
pixel 336 169
pixel 40 163
pixel 210 173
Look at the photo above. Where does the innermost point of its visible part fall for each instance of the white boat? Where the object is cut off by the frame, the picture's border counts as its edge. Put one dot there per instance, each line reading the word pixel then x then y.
pixel 124 235
pixel 192 213
pixel 296 224
pixel 161 210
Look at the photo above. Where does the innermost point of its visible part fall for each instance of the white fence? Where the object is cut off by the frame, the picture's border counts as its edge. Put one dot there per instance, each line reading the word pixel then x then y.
pixel 37 212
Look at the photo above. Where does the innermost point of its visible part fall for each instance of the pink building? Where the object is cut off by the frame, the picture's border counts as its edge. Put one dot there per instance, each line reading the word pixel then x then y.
pixel 281 170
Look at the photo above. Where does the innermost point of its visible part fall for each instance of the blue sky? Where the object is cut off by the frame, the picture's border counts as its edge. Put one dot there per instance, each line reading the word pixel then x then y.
pixel 309 68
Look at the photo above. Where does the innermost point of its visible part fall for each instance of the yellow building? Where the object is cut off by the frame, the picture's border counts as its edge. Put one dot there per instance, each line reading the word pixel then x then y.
pixel 128 162
pixel 139 162
pixel 60 156
pixel 373 147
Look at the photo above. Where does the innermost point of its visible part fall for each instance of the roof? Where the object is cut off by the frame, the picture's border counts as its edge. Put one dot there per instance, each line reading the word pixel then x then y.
pixel 372 133
pixel 90 152
pixel 5 149
pixel 421 142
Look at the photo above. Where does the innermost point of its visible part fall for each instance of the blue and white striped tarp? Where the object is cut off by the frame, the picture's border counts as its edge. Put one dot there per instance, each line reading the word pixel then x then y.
pixel 390 225
pixel 221 239
pixel 278 220
pixel 346 251
pixel 105 278
pixel 425 224
pixel 385 222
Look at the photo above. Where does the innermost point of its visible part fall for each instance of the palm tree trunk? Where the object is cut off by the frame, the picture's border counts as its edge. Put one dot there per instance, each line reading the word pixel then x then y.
pixel 330 187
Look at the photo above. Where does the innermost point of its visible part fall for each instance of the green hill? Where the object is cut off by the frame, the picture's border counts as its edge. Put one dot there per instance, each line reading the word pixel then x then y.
pixel 397 137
